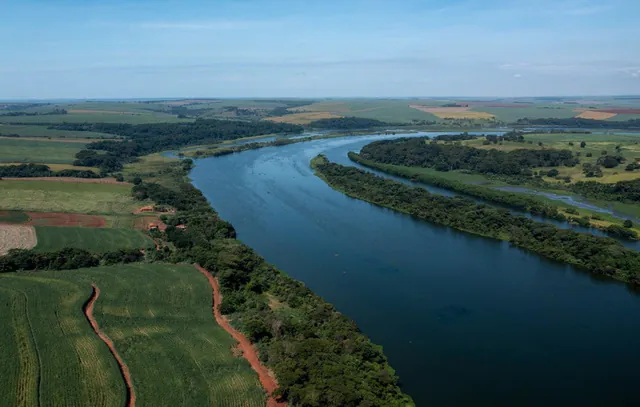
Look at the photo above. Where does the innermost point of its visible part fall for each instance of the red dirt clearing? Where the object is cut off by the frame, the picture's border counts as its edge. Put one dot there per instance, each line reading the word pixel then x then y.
pixel 65 219
pixel 126 375
pixel 269 383
pixel 69 179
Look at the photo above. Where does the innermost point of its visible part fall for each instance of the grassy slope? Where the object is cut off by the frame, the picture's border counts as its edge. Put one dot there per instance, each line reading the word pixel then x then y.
pixel 159 317
pixel 52 196
pixel 52 238
pixel 32 151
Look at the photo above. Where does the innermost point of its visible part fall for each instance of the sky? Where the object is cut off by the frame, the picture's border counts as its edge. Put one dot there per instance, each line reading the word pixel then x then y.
pixel 330 48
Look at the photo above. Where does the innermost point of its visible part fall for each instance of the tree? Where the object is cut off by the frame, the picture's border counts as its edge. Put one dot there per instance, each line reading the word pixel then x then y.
pixel 583 144
pixel 137 181
pixel 552 173
pixel 627 224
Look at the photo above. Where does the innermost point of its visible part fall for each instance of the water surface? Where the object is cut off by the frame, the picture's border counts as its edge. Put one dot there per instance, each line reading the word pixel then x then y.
pixel 465 321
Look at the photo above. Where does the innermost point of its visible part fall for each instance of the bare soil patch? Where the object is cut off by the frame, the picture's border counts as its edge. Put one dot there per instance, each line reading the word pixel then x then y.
pixel 70 179
pixel 595 115
pixel 16 237
pixel 66 219
pixel 124 369
pixel 266 377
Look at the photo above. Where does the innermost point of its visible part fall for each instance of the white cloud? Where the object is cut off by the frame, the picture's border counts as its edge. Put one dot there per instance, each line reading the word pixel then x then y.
pixel 517 75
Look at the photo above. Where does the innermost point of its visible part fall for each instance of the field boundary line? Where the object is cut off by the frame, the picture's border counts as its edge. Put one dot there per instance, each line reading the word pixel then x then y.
pixel 124 369
pixel 249 352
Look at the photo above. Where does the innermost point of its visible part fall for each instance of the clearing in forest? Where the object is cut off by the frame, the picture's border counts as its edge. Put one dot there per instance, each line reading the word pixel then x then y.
pixel 159 319
pixel 16 237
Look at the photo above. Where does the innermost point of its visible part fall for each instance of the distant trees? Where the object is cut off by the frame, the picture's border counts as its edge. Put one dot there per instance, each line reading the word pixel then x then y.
pixel 41 170
pixel 347 123
pixel 583 144
pixel 578 122
pixel 446 157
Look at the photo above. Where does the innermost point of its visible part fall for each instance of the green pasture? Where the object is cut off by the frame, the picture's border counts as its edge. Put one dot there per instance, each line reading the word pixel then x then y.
pixel 74 197
pixel 98 240
pixel 44 132
pixel 159 318
pixel 36 151
pixel 97 117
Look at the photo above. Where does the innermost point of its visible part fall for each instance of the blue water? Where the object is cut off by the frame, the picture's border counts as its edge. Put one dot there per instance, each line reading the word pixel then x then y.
pixel 465 321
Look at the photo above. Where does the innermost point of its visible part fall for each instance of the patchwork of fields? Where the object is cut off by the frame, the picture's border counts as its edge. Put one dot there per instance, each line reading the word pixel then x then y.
pixel 159 319
pixel 38 151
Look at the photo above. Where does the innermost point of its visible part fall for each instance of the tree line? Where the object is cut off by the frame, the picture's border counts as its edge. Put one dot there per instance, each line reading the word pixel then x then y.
pixel 348 123
pixel 600 255
pixel 421 152
pixel 64 259
pixel 142 139
pixel 41 170
pixel 580 123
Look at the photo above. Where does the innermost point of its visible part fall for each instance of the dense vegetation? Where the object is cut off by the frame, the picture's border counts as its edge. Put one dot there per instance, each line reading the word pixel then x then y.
pixel 347 123
pixel 420 152
pixel 41 170
pixel 319 356
pixel 599 255
pixel 20 114
pixel 149 138
pixel 65 259
pixel 580 122
pixel 517 201
pixel 623 191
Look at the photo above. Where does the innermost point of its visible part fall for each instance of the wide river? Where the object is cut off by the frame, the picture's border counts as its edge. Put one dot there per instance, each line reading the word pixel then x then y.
pixel 465 321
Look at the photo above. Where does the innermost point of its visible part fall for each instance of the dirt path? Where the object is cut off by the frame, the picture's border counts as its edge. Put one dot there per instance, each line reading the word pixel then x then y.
pixel 248 351
pixel 126 375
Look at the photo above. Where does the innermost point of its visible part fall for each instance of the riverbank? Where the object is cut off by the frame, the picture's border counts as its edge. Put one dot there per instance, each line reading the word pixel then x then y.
pixel 603 256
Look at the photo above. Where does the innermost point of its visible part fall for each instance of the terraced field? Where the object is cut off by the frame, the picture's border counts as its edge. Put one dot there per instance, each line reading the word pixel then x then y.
pixel 159 318
pixel 52 238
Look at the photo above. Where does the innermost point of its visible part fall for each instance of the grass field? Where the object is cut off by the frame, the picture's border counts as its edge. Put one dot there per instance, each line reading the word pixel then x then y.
pixel 42 131
pixel 48 196
pixel 52 238
pixel 159 318
pixel 302 118
pixel 96 117
pixel 394 111
pixel 511 114
pixel 35 151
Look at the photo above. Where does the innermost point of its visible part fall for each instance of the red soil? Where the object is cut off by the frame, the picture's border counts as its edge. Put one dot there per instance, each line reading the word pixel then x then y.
pixel 267 380
pixel 88 312
pixel 69 179
pixel 65 219
pixel 619 111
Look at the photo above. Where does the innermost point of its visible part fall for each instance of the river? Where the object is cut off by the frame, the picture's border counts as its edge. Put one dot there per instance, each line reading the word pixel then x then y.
pixel 465 321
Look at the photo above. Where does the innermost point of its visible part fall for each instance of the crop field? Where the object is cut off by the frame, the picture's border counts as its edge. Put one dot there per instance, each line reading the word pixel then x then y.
pixel 595 115
pixel 511 114
pixel 393 111
pixel 16 237
pixel 159 319
pixel 96 117
pixel 302 118
pixel 38 151
pixel 52 238
pixel 75 197
pixel 44 132
pixel 453 112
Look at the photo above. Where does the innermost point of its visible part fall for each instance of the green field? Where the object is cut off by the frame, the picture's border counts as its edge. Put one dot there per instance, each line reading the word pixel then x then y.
pixel 43 131
pixel 35 151
pixel 96 117
pixel 52 238
pixel 159 318
pixel 75 197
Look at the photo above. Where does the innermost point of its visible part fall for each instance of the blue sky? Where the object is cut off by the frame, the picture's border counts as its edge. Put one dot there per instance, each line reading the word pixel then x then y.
pixel 265 48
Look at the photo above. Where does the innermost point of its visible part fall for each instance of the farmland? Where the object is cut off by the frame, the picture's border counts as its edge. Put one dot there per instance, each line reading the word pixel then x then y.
pixel 94 117
pixel 302 118
pixel 38 151
pixel 43 132
pixel 76 197
pixel 52 238
pixel 159 319
pixel 16 237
